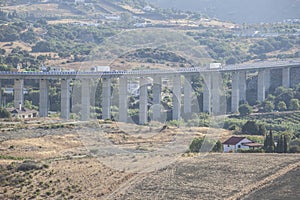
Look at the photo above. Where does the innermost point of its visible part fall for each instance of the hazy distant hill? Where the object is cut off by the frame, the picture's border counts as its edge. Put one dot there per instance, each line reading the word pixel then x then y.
pixel 239 11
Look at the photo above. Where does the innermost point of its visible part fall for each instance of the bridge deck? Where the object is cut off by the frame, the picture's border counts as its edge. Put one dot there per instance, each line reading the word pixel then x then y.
pixel 139 73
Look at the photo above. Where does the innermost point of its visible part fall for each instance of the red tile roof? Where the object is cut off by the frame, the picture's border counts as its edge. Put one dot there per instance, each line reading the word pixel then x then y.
pixel 234 140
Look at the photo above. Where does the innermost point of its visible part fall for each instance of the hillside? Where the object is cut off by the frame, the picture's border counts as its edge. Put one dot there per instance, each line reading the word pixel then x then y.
pixel 238 11
pixel 53 160
pixel 77 36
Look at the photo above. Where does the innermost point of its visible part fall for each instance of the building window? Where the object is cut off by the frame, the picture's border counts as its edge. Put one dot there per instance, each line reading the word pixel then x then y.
pixel 228 145
pixel 239 146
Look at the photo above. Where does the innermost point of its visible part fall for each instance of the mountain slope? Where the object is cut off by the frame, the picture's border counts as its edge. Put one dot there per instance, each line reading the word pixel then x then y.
pixel 239 11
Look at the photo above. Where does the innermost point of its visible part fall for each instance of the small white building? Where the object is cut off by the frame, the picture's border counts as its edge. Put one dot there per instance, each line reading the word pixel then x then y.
pixel 148 9
pixel 79 1
pixel 113 17
pixel 140 25
pixel 234 143
pixel 23 113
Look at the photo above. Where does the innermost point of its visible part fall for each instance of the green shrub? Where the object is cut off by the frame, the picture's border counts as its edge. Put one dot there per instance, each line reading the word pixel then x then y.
pixel 268 106
pixel 177 123
pixel 10 157
pixel 281 106
pixel 28 166
pixel 295 146
pixel 233 124
pixel 252 128
pixel 218 147
pixel 196 144
pixel 4 113
pixel 205 145
pixel 245 109
pixel 294 149
pixel 294 104
pixel 260 150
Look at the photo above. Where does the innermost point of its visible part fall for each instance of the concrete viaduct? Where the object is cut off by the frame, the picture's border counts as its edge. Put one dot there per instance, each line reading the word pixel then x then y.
pixel 211 94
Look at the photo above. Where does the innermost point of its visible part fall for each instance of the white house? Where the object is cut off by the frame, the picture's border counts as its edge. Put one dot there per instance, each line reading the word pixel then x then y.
pixel 23 113
pixel 234 143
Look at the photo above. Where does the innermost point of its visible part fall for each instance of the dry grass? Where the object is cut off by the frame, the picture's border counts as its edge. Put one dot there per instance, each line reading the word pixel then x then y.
pixel 42 147
pixel 71 172
pixel 214 176
pixel 8 46
pixel 42 9
pixel 133 10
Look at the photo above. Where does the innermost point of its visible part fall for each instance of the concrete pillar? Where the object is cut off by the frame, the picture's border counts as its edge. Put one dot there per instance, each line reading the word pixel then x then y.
pixel 261 87
pixel 286 81
pixel 123 99
pixel 207 93
pixel 187 106
pixel 267 79
pixel 1 103
pixel 106 97
pixel 156 98
pixel 215 92
pixel 18 93
pixel 43 104
pixel 242 85
pixel 65 99
pixel 143 117
pixel 235 93
pixel 85 99
pixel 176 97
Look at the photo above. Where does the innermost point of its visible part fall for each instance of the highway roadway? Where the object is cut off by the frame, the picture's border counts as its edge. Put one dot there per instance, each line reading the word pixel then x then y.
pixel 139 73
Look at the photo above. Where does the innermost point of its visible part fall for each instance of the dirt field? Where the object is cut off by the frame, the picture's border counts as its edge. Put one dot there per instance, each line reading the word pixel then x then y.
pixel 65 162
pixel 215 176
pixel 284 187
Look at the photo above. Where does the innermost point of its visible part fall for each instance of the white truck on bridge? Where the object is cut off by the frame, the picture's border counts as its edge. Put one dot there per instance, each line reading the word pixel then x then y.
pixel 215 66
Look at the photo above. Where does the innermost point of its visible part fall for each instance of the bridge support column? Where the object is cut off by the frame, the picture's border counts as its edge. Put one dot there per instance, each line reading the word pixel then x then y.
pixel 85 99
pixel 267 79
pixel 1 103
pixel 286 82
pixel 242 86
pixel 216 84
pixel 207 93
pixel 261 87
pixel 235 93
pixel 65 99
pixel 106 97
pixel 187 106
pixel 176 97
pixel 43 104
pixel 18 93
pixel 156 98
pixel 123 99
pixel 143 117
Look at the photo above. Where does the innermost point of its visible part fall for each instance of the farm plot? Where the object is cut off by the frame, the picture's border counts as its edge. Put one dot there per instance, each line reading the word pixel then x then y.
pixel 215 176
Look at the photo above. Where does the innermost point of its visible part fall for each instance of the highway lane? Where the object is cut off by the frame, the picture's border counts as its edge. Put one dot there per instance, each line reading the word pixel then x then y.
pixel 139 73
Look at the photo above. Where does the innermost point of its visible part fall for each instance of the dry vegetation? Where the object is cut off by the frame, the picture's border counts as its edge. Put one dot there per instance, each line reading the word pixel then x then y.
pixel 54 161
pixel 41 9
